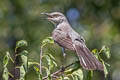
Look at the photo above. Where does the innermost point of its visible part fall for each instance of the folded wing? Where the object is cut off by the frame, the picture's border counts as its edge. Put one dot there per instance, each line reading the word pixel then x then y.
pixel 63 39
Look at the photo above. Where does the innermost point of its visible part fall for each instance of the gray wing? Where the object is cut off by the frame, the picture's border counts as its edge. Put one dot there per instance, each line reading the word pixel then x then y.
pixel 87 59
pixel 63 39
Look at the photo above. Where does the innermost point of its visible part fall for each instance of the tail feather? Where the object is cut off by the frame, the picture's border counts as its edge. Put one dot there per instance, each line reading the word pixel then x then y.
pixel 87 59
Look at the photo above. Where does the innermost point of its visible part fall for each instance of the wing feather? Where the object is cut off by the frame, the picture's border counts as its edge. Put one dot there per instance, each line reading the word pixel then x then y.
pixel 63 39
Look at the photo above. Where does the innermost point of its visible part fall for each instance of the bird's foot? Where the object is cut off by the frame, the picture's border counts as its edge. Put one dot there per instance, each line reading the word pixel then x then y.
pixel 63 51
pixel 64 55
pixel 62 68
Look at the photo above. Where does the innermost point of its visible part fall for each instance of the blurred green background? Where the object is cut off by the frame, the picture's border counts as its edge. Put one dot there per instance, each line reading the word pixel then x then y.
pixel 97 20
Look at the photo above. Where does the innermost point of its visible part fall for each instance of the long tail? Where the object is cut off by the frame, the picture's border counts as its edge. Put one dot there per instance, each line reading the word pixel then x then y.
pixel 87 59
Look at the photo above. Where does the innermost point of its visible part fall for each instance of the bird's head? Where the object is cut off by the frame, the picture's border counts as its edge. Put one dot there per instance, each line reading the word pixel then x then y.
pixel 55 17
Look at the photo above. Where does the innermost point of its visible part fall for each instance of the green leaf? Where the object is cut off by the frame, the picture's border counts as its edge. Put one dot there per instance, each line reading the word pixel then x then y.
pixel 24 52
pixel 55 63
pixel 62 78
pixel 49 77
pixel 24 58
pixel 5 74
pixel 48 40
pixel 69 71
pixel 22 73
pixel 10 58
pixel 50 60
pixel 49 57
pixel 105 68
pixel 5 63
pixel 78 75
pixel 21 43
pixel 47 70
pixel 24 67
pixel 95 51
pixel 106 50
pixel 75 68
pixel 30 63
pixel 38 72
pixel 25 62
pixel 51 64
pixel 65 78
pixel 6 59
pixel 11 75
pixel 36 69
pixel 75 73
pixel 89 75
pixel 107 64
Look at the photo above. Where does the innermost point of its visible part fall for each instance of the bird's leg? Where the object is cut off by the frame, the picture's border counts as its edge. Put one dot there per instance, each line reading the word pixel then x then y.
pixel 63 51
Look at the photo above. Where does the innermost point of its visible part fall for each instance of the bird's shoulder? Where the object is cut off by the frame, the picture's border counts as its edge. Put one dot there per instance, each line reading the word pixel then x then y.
pixel 61 29
pixel 80 38
pixel 76 36
pixel 59 33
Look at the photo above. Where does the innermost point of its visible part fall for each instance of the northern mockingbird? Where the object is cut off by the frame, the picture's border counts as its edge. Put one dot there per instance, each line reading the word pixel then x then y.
pixel 67 38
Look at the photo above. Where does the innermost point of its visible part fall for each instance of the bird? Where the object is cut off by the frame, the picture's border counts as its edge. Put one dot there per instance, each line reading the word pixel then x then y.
pixel 66 37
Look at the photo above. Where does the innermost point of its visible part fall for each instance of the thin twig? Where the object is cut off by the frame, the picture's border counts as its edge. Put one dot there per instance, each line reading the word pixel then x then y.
pixel 58 71
pixel 15 65
pixel 41 60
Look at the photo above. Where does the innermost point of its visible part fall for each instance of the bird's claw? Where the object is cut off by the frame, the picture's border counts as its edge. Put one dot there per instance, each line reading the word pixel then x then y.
pixel 62 68
pixel 63 51
pixel 64 55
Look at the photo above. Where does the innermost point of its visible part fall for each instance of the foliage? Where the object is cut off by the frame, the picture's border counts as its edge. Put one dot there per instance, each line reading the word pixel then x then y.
pixel 69 72
pixel 6 73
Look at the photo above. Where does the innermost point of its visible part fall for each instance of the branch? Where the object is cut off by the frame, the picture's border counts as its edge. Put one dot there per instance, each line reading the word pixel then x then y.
pixel 58 71
pixel 41 59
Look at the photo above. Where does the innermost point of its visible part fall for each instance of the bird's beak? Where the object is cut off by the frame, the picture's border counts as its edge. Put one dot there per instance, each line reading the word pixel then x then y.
pixel 49 16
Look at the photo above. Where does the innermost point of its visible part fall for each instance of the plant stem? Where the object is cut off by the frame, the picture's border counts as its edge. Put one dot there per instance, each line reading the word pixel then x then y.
pixel 58 71
pixel 41 60
pixel 16 63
